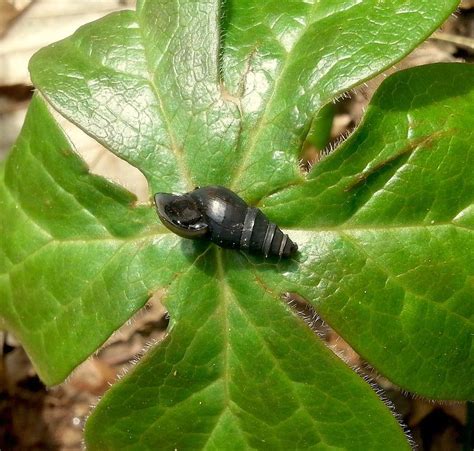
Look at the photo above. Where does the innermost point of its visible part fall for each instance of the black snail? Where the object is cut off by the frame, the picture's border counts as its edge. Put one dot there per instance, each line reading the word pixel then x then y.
pixel 217 214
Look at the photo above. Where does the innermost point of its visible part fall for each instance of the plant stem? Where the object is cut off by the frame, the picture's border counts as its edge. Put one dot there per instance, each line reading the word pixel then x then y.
pixel 461 41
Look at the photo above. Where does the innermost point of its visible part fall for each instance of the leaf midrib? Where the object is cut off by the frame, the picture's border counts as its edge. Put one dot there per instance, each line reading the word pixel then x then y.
pixel 368 228
pixel 166 121
pixel 142 237
pixel 263 118
pixel 227 294
pixel 395 279
pixel 80 241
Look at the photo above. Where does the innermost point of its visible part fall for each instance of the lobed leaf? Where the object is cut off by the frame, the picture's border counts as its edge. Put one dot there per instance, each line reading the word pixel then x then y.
pixel 140 85
pixel 196 93
pixel 386 228
pixel 238 370
pixel 77 258
pixel 287 59
pixel 229 103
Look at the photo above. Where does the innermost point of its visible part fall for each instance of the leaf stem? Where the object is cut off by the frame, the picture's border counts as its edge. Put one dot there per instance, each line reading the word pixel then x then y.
pixel 461 41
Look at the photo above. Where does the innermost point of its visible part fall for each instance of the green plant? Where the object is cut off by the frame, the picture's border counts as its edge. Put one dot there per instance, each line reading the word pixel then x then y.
pixel 197 93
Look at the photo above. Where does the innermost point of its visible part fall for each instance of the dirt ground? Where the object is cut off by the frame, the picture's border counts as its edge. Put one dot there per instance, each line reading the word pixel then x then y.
pixel 33 417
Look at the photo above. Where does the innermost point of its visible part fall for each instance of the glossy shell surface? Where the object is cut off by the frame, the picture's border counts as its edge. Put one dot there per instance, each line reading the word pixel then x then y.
pixel 217 214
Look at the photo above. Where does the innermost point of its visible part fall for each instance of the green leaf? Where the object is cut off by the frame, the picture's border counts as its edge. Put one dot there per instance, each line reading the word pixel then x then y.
pixel 196 93
pixel 239 371
pixel 77 258
pixel 386 227
pixel 140 84
pixel 299 55
pixel 319 134
pixel 150 95
pixel 167 81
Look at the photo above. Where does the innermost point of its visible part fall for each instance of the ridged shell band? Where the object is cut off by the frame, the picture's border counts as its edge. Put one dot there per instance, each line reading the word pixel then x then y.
pixel 267 242
pixel 282 245
pixel 247 229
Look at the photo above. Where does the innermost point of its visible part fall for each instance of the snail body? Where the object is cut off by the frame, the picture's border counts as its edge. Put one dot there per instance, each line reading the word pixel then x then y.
pixel 219 215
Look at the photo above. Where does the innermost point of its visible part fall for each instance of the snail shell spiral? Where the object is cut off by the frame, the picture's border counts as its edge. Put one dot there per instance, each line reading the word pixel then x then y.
pixel 217 214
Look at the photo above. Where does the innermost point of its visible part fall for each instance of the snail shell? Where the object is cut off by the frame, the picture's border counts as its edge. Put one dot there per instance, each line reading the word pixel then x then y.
pixel 219 215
